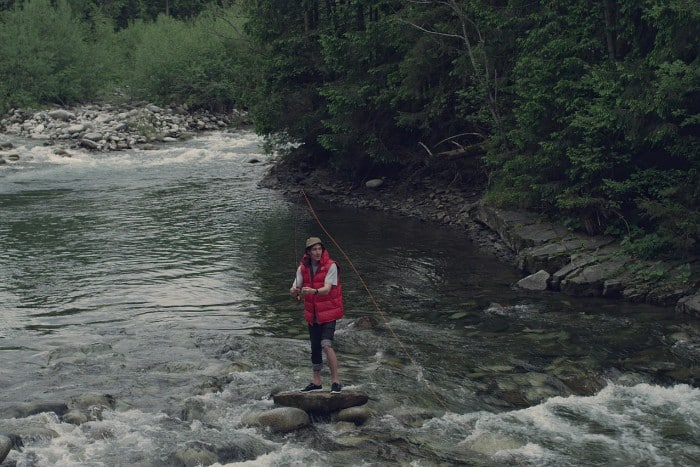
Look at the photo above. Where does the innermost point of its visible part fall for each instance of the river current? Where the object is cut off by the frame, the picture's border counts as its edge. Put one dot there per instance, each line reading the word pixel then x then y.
pixel 160 278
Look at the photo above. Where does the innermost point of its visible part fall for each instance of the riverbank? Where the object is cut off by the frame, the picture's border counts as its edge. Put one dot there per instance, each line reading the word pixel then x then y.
pixel 108 127
pixel 550 256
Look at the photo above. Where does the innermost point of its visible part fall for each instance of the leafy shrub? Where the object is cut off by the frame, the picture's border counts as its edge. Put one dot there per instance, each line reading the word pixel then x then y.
pixel 195 62
pixel 46 55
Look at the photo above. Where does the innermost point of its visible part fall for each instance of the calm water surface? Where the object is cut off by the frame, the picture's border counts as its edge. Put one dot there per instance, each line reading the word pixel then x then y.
pixel 161 277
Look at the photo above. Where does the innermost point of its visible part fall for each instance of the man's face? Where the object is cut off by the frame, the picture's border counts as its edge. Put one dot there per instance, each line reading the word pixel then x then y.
pixel 315 252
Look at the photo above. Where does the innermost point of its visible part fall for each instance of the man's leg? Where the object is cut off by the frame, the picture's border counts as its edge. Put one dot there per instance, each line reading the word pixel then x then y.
pixel 332 362
pixel 327 344
pixel 316 356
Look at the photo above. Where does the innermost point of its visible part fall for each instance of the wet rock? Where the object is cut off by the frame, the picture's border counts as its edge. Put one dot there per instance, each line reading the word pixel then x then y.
pixel 519 229
pixel 588 281
pixel 91 400
pixel 93 136
pixel 536 281
pixel 32 408
pixel 578 261
pixel 90 144
pixel 281 419
pixel 30 433
pixel 104 127
pixel 192 456
pixel 75 417
pixel 554 256
pixel 689 304
pixel 374 183
pixel 5 446
pixel 61 114
pixel 320 402
pixel 356 415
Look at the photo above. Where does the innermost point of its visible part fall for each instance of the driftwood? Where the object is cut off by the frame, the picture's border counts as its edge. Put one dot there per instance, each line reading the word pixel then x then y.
pixel 468 151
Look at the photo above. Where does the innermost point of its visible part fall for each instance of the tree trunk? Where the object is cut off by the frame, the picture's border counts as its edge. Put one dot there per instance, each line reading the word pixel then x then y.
pixel 610 28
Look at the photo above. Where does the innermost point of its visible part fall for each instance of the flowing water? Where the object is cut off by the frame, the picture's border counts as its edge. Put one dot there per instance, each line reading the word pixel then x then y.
pixel 160 278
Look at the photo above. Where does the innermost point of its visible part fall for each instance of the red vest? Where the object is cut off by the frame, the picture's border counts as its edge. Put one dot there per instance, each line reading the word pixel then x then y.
pixel 321 308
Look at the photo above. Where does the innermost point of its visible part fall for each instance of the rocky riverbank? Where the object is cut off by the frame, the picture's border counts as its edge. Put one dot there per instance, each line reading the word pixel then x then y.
pixel 550 256
pixel 107 127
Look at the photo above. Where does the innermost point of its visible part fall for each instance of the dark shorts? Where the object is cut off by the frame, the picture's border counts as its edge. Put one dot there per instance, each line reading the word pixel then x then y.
pixel 321 335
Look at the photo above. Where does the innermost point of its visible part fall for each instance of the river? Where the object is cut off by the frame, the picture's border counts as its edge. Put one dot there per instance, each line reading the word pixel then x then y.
pixel 161 279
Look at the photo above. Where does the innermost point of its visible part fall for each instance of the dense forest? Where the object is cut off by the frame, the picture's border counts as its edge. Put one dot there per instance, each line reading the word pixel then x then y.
pixel 585 110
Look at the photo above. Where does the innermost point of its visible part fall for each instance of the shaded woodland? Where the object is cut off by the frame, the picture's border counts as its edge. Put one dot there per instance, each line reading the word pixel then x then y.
pixel 584 110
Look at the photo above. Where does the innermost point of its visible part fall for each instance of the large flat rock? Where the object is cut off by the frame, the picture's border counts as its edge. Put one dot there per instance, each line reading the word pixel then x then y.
pixel 320 401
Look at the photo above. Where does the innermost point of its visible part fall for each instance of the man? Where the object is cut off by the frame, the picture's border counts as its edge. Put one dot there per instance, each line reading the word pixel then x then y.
pixel 318 281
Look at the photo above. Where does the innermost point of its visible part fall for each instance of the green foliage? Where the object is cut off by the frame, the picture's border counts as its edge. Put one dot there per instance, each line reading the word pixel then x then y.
pixel 588 111
pixel 606 114
pixel 46 55
pixel 195 62
pixel 51 53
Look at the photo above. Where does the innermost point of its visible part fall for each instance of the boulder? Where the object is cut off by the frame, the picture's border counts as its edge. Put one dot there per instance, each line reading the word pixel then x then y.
pixel 191 456
pixel 89 144
pixel 589 281
pixel 61 114
pixel 280 419
pixel 374 183
pixel 689 304
pixel 356 415
pixel 536 281
pixel 27 409
pixel 5 446
pixel 320 402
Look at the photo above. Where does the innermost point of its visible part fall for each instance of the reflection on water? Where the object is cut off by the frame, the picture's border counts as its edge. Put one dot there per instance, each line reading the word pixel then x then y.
pixel 161 278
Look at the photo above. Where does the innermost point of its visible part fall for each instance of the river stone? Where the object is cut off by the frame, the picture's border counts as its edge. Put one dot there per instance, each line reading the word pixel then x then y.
pixel 88 400
pixel 281 419
pixel 5 446
pixel 192 456
pixel 77 128
pixel 356 415
pixel 75 417
pixel 93 136
pixel 320 402
pixel 536 281
pixel 374 183
pixel 689 304
pixel 61 114
pixel 32 408
pixel 589 281
pixel 578 261
pixel 89 144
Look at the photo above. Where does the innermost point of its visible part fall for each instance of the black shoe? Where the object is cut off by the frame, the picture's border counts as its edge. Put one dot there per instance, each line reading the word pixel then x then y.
pixel 312 387
pixel 335 388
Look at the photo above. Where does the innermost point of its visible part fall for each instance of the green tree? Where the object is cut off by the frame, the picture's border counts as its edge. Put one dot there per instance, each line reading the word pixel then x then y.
pixel 606 118
pixel 46 55
pixel 197 62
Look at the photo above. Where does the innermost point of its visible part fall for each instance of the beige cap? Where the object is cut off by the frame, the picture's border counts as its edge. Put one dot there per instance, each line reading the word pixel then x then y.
pixel 311 241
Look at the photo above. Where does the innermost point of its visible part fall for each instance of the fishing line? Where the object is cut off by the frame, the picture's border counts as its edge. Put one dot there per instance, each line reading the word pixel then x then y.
pixel 379 310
